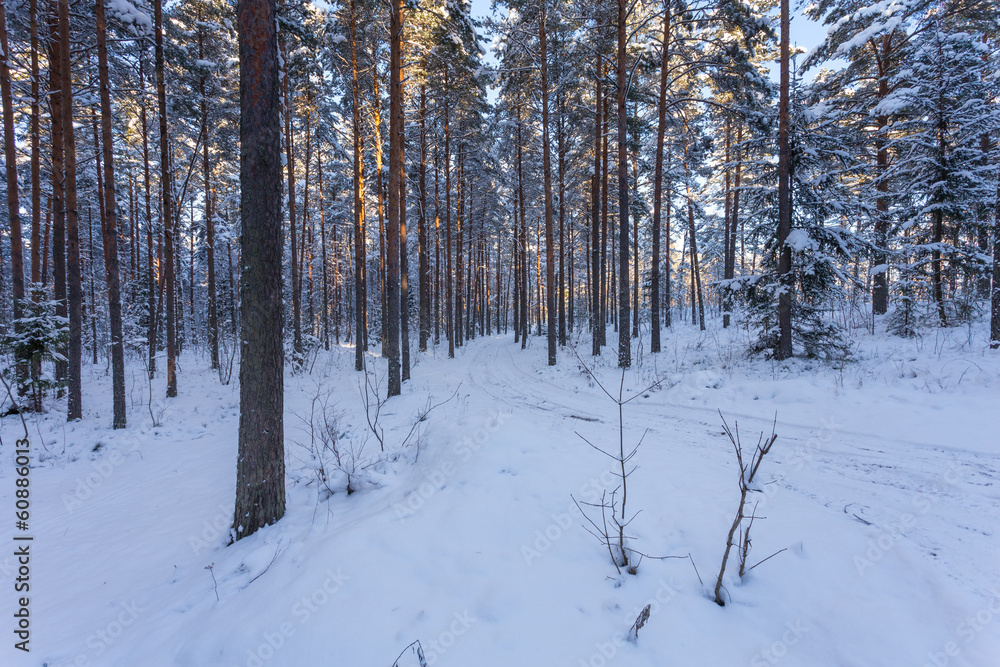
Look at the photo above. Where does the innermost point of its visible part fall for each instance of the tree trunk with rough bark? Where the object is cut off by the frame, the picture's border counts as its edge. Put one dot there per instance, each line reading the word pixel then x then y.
pixel 260 472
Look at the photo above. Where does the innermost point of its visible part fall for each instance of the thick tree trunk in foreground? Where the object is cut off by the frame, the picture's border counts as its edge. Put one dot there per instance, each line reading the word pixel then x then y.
pixel 260 472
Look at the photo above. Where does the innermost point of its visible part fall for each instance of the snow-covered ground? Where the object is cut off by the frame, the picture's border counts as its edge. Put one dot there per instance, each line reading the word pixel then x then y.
pixel 882 488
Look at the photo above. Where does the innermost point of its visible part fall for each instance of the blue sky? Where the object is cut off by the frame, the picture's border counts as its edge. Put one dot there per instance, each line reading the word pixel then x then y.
pixel 805 32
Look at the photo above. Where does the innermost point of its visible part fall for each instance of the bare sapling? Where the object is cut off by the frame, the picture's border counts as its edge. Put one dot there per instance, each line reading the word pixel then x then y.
pixel 328 451
pixel 613 536
pixel 748 471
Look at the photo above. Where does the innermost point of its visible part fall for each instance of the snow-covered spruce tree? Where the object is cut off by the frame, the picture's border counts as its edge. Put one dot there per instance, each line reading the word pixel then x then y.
pixel 942 174
pixel 36 337
pixel 822 203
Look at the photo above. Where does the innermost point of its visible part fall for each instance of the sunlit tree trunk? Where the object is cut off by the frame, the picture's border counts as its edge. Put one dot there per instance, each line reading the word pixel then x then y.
pixel 360 344
pixel 260 470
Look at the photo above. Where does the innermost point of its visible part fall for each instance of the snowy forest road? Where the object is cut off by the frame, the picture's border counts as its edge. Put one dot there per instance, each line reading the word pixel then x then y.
pixel 467 538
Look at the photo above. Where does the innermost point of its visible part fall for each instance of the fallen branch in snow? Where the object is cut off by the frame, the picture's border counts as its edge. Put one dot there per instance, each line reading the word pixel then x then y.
pixel 768 558
pixel 417 650
pixel 264 571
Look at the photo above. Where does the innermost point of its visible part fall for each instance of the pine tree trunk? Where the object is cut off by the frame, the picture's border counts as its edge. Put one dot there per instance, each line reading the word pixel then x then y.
pixel 46 236
pixel 605 186
pixel 213 310
pixel 597 321
pixel 260 471
pixel 880 279
pixel 109 227
pixel 448 310
pixel 13 203
pixel 166 190
pixel 286 97
pixel 58 202
pixel 459 228
pixel 937 277
pixel 305 233
pixel 394 224
pixel 661 128
pixel 437 243
pixel 695 268
pixel 624 342
pixel 325 301
pixel 521 238
pixel 380 200
pixel 36 176
pixel 73 269
pixel 423 265
pixel 735 213
pixel 995 297
pixel 550 280
pixel 151 281
pixel 561 141
pixel 784 350
pixel 360 246
pixel 727 222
